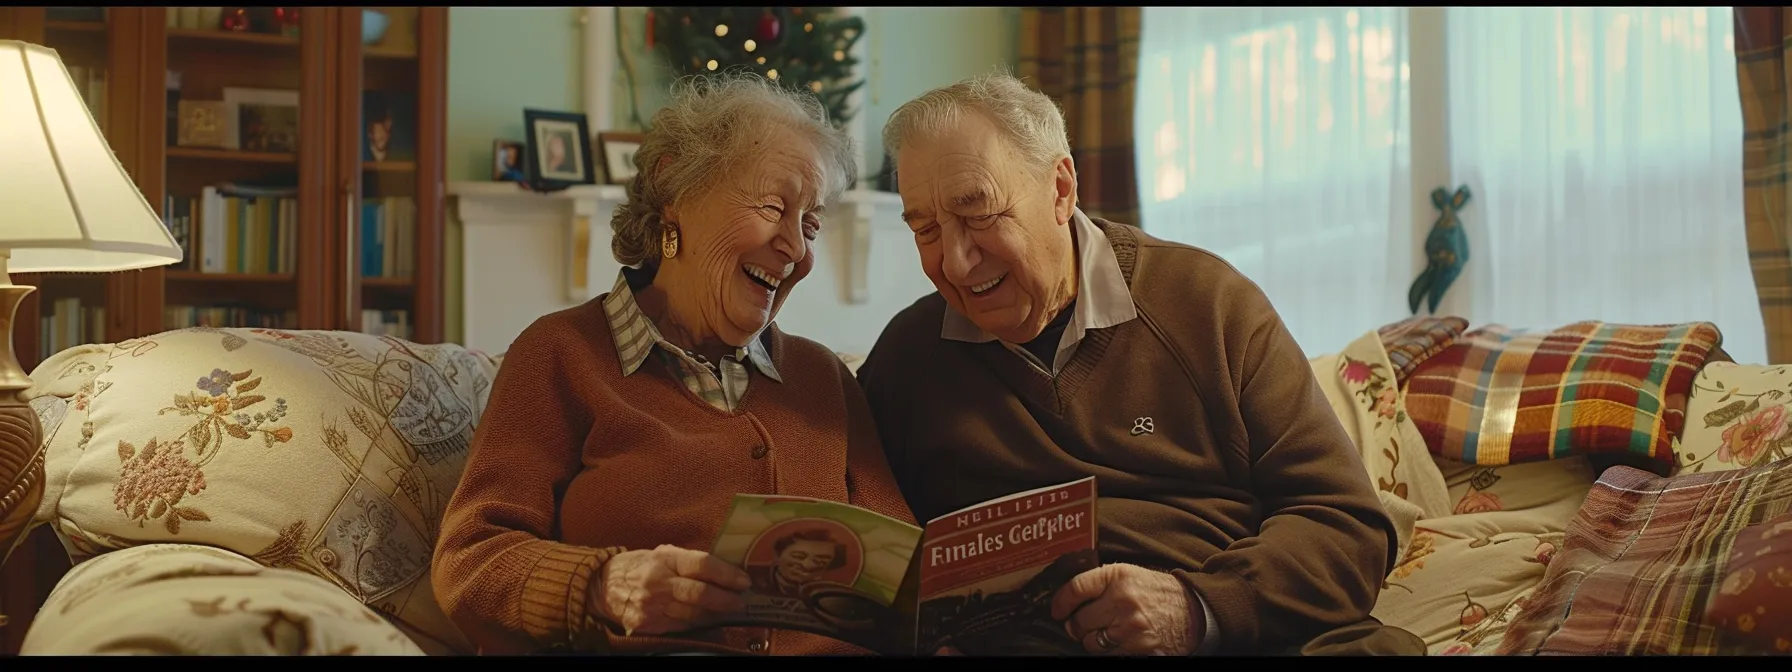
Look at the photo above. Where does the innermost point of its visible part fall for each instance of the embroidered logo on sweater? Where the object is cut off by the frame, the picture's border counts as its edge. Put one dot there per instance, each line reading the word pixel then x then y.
pixel 1143 426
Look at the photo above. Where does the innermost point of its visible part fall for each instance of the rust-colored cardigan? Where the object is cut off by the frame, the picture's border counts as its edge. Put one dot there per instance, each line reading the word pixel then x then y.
pixel 574 462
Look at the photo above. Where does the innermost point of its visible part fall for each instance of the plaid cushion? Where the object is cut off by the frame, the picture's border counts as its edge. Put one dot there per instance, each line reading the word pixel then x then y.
pixel 1642 560
pixel 1497 396
pixel 1413 340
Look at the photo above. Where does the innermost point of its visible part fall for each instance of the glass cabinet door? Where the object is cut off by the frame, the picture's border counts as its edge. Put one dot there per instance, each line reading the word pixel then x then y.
pixel 242 127
pixel 394 106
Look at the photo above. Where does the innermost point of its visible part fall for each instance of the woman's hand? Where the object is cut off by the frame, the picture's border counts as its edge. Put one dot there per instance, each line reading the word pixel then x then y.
pixel 667 589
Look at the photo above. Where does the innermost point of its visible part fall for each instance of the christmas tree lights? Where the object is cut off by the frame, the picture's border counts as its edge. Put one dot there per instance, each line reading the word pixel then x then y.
pixel 802 48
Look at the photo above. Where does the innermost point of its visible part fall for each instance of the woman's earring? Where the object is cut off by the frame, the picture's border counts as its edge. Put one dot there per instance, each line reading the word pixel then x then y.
pixel 669 242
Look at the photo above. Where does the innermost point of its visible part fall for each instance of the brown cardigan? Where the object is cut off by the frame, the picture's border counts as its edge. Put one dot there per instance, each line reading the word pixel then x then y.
pixel 574 462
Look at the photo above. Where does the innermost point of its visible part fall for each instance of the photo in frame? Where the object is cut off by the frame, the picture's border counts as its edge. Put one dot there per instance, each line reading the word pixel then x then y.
pixel 559 149
pixel 507 161
pixel 618 152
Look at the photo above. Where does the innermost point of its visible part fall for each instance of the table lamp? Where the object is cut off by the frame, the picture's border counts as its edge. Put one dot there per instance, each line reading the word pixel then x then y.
pixel 65 205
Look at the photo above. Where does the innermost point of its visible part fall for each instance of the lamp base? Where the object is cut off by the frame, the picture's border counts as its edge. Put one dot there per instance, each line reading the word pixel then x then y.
pixel 21 440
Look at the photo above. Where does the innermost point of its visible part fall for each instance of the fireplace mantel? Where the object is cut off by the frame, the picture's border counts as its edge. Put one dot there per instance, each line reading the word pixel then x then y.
pixel 526 254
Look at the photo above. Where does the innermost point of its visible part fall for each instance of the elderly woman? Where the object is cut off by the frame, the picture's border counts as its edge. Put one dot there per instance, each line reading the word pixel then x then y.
pixel 619 431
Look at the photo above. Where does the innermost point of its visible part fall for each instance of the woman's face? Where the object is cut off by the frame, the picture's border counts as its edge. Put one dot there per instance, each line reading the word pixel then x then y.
pixel 745 242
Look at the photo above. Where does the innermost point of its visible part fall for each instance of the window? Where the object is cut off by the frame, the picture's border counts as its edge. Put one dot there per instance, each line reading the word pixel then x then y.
pixel 1602 146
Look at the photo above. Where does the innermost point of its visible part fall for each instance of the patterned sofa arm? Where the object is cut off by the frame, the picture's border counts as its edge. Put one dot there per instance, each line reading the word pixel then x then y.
pixel 184 600
pixel 326 453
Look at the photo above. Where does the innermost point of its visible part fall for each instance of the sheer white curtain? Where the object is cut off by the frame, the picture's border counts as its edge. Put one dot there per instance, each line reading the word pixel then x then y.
pixel 1276 138
pixel 1602 145
pixel 1604 150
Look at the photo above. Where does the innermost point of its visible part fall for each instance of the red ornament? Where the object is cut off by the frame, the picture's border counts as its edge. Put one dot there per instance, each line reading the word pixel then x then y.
pixel 650 14
pixel 237 20
pixel 287 20
pixel 768 28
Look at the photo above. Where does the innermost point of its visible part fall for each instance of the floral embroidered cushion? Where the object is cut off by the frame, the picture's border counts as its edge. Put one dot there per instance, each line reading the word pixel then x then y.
pixel 1736 417
pixel 330 453
pixel 1466 574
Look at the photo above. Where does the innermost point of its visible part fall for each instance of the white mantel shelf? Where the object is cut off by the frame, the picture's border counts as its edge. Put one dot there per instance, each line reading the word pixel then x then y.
pixel 525 254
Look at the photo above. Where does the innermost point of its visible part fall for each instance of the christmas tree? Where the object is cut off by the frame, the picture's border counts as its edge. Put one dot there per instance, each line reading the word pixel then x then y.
pixel 798 47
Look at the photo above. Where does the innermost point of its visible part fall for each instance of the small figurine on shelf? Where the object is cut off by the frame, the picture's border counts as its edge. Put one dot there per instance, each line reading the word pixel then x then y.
pixel 236 19
pixel 287 20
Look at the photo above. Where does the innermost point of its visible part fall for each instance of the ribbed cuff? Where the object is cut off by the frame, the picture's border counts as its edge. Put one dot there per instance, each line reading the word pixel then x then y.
pixel 1230 605
pixel 554 594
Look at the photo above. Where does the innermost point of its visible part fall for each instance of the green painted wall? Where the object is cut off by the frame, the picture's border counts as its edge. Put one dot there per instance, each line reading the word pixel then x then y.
pixel 914 49
pixel 501 60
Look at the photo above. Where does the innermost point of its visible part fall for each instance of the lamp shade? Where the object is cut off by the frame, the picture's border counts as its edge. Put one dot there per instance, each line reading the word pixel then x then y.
pixel 65 202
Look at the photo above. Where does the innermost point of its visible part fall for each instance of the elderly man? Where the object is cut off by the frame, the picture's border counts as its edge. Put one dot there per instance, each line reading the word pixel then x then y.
pixel 1235 512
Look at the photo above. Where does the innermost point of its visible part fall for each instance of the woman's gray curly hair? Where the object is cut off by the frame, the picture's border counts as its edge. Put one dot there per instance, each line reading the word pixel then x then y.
pixel 706 131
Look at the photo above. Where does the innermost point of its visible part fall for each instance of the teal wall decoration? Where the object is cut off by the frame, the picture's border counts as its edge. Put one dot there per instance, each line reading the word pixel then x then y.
pixel 1446 250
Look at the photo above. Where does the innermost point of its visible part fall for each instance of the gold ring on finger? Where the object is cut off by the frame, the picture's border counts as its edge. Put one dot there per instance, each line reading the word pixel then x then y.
pixel 1103 641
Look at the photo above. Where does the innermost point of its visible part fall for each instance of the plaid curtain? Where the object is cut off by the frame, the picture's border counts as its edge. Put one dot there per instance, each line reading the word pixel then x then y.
pixel 1087 59
pixel 1761 47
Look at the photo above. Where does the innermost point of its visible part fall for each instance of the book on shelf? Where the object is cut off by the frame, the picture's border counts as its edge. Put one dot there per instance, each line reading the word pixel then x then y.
pixel 67 324
pixel 388 237
pixel 182 317
pixel 223 232
pixel 980 579
pixel 394 323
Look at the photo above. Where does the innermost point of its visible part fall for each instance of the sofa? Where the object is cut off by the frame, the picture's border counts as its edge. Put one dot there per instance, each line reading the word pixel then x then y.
pixel 253 491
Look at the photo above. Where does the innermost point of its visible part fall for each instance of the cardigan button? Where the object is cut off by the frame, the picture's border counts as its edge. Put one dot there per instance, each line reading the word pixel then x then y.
pixel 756 646
pixel 759 451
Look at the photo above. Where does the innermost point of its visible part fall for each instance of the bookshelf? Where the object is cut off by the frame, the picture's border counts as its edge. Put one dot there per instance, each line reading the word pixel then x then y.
pixel 288 218
pixel 314 226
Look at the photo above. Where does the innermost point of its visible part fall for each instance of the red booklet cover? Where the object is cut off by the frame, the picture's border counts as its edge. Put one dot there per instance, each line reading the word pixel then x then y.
pixel 988 572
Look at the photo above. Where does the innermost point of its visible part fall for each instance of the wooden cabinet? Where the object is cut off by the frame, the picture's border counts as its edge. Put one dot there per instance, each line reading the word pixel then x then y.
pixel 299 223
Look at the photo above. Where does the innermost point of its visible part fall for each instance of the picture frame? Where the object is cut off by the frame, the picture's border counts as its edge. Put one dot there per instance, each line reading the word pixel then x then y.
pixel 509 161
pixel 618 151
pixel 558 149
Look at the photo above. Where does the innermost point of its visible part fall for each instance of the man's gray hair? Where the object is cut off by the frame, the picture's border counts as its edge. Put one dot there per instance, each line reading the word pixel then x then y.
pixel 1031 121
pixel 707 130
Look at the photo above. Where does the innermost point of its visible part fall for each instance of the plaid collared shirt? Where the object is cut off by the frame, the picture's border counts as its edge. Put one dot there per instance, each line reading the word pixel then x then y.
pixel 721 384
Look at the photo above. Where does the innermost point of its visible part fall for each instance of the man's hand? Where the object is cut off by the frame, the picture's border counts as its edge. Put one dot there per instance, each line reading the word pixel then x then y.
pixel 1129 610
pixel 667 589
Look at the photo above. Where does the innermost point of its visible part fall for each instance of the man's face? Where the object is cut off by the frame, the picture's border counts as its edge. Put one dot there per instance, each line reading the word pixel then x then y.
pixel 379 133
pixel 803 561
pixel 992 230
